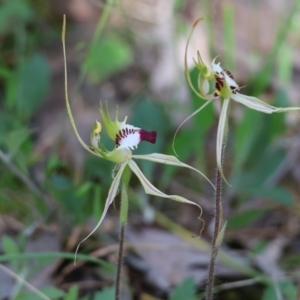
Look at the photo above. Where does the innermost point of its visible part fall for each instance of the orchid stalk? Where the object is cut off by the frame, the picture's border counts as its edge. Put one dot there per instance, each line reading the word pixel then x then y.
pixel 126 138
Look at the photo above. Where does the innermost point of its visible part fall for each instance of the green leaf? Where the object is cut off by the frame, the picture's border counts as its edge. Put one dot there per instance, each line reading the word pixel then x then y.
pixel 12 13
pixel 229 34
pixel 109 56
pixel 98 205
pixel 33 84
pixel 150 116
pixel 107 294
pixel 275 122
pixel 287 289
pixel 52 292
pixel 202 122
pixel 243 219
pixel 83 189
pixel 263 165
pixel 186 290
pixel 72 293
pixel 261 79
pixel 15 139
pixel 246 135
pixel 10 247
pixel 276 194
pixel 285 63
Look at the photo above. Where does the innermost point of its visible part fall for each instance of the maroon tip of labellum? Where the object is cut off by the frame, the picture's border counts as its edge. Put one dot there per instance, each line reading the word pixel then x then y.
pixel 149 136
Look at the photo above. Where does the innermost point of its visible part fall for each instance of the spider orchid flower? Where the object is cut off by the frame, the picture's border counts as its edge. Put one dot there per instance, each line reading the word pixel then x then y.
pixel 226 88
pixel 126 138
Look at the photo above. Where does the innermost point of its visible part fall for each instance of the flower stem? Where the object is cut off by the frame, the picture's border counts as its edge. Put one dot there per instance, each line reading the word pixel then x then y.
pixel 123 221
pixel 120 261
pixel 217 228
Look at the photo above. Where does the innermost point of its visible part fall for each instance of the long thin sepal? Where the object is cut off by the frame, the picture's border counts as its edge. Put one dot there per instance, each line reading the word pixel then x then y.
pixel 257 104
pixel 152 190
pixel 66 92
pixel 110 198
pixel 193 114
pixel 186 68
pixel 221 136
pixel 169 160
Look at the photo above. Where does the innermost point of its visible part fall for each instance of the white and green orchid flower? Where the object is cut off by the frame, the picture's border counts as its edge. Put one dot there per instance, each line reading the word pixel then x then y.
pixel 126 138
pixel 226 88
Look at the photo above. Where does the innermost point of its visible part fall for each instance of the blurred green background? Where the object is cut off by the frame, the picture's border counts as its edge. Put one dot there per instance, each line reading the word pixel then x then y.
pixel 130 53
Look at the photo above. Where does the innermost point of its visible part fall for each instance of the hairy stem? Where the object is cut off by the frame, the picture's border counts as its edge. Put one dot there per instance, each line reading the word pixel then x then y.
pixel 120 261
pixel 217 228
pixel 123 221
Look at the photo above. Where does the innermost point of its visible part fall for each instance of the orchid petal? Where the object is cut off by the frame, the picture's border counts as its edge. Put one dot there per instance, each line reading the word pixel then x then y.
pixel 110 198
pixel 66 94
pixel 186 68
pixel 254 103
pixel 152 190
pixel 257 104
pixel 221 135
pixel 193 114
pixel 169 160
pixel 112 127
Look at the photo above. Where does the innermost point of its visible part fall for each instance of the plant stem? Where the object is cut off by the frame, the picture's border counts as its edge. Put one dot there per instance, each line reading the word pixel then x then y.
pixel 120 261
pixel 217 227
pixel 123 221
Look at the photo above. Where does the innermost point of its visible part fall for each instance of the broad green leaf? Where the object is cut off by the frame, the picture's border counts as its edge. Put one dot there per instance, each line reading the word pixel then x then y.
pixel 83 189
pixel 105 294
pixel 228 21
pixel 150 116
pixel 277 194
pixel 246 135
pixel 287 290
pixel 15 139
pixel 261 79
pixel 285 63
pixel 10 247
pixel 263 165
pixel 186 290
pixel 109 56
pixel 12 13
pixel 51 292
pixel 33 84
pixel 98 205
pixel 275 122
pixel 245 218
pixel 72 293
pixel 290 262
